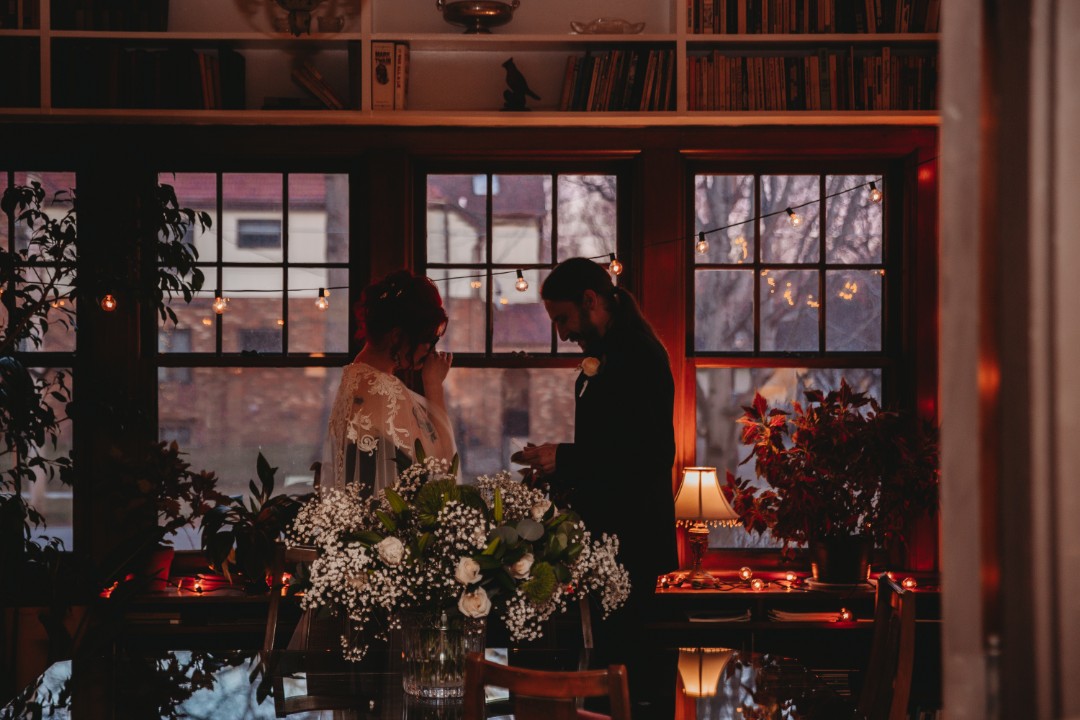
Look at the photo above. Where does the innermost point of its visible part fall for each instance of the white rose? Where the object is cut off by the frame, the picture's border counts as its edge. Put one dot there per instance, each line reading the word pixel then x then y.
pixel 540 509
pixel 391 551
pixel 474 604
pixel 520 569
pixel 590 366
pixel 468 571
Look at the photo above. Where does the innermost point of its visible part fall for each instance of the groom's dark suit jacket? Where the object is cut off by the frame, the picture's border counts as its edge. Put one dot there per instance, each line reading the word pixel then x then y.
pixel 617 472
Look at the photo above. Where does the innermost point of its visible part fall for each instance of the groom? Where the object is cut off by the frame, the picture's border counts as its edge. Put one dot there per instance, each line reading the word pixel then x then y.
pixel 617 472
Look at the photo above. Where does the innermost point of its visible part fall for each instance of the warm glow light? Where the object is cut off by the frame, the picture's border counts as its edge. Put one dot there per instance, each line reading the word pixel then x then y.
pixel 845 615
pixel 745 573
pixel 475 284
pixel 503 301
pixel 909 583
pixel 197 587
pixel 108 303
pixel 281 322
pixel 521 283
pixel 321 302
pixel 207 322
pixel 740 245
pixel 790 576
pixel 615 268
pixel 219 305
pixel 875 194
pixel 794 218
pixel 700 670
pixel 702 245
pixel 757 584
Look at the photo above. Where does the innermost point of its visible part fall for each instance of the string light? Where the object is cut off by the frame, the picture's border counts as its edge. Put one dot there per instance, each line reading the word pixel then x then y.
pixel 794 218
pixel 745 573
pixel 321 302
pixel 845 615
pixel 615 268
pixel 219 305
pixel 875 194
pixel 909 583
pixel 790 576
pixel 757 584
pixel 521 284
pixel 108 303
pixel 702 245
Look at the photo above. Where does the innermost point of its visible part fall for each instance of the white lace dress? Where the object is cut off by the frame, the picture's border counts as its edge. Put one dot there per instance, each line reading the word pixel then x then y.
pixel 374 413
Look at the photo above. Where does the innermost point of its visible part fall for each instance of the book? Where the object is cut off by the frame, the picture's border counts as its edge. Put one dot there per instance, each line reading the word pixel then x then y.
pixel 382 75
pixel 401 76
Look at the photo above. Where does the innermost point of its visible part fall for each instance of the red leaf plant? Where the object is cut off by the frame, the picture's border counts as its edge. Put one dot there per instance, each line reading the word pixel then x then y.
pixel 838 466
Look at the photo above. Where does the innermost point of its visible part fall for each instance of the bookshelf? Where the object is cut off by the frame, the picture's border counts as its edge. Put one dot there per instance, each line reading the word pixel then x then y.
pixel 223 64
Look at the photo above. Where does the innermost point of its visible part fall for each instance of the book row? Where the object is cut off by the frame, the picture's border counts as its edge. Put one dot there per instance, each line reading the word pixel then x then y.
pixel 124 15
pixel 812 16
pixel 177 78
pixel 826 80
pixel 20 15
pixel 389 75
pixel 636 79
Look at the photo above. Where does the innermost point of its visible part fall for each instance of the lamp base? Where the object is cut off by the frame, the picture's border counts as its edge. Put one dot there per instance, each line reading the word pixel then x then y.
pixel 698 535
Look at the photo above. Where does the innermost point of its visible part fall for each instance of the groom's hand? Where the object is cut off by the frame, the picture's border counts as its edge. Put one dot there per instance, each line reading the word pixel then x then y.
pixel 541 458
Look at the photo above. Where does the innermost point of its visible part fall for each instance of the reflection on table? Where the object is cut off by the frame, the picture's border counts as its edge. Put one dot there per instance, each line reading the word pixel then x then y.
pixel 666 683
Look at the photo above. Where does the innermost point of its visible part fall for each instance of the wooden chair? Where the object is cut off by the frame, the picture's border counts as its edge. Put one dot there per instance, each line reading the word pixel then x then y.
pixel 887 683
pixel 545 695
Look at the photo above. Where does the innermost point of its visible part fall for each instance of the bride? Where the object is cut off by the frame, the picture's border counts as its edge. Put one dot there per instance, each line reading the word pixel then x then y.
pixel 374 414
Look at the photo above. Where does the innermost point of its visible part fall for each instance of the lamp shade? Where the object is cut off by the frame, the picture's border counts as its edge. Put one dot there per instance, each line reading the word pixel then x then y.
pixel 700 499
pixel 700 669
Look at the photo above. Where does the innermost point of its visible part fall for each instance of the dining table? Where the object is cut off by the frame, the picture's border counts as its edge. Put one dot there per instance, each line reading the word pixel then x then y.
pixel 666 683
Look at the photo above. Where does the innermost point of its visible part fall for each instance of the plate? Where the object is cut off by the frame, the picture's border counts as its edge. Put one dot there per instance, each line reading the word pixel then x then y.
pixel 606 26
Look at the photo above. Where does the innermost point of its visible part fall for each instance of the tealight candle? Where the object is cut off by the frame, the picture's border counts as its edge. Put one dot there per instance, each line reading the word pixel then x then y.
pixel 197 587
pixel 746 573
pixel 909 583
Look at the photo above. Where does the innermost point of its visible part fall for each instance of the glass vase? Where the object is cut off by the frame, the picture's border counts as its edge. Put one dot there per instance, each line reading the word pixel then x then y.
pixel 433 649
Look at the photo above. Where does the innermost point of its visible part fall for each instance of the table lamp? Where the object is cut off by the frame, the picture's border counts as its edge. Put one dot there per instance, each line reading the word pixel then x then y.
pixel 699 505
pixel 700 670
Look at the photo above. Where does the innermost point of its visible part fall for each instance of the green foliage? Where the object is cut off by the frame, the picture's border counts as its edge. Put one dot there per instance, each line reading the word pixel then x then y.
pixel 39 286
pixel 838 466
pixel 238 538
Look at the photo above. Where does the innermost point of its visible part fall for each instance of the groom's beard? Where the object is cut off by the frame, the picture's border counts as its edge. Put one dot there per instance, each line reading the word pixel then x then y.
pixel 588 337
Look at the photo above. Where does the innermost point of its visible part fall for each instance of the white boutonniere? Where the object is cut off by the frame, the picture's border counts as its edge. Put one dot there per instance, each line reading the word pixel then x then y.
pixel 589 367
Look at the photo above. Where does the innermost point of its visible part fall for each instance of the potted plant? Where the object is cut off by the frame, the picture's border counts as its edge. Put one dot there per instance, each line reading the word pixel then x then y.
pixel 239 538
pixel 841 475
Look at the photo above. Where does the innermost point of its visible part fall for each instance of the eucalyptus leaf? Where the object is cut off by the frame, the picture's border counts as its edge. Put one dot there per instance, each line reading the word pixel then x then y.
pixel 530 529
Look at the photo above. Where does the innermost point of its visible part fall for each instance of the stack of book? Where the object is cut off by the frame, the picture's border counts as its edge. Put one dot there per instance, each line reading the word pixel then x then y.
pixel 828 79
pixel 634 79
pixel 812 16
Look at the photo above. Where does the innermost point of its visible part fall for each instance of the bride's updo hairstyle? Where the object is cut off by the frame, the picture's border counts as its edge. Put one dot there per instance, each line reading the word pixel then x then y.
pixel 401 301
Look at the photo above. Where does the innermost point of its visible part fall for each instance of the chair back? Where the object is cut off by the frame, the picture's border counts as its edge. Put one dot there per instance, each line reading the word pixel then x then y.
pixel 542 694
pixel 887 683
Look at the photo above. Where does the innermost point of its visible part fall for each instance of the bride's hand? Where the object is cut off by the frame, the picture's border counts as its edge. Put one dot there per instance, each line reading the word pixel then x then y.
pixel 436 366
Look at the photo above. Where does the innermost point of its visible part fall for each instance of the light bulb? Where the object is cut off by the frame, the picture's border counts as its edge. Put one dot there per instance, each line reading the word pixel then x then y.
pixel 845 615
pixel 757 584
pixel 790 576
pixel 702 245
pixel 875 194
pixel 108 303
pixel 219 305
pixel 615 268
pixel 475 284
pixel 521 283
pixel 745 573
pixel 794 218
pixel 321 302
pixel 909 583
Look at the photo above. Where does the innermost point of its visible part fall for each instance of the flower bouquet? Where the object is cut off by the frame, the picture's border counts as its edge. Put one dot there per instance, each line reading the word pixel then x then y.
pixel 451 554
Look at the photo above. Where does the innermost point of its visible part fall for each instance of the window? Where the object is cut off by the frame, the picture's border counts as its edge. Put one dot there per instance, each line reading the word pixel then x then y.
pixel 257 234
pixel 484 231
pixel 260 375
pixel 783 304
pixel 47 351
